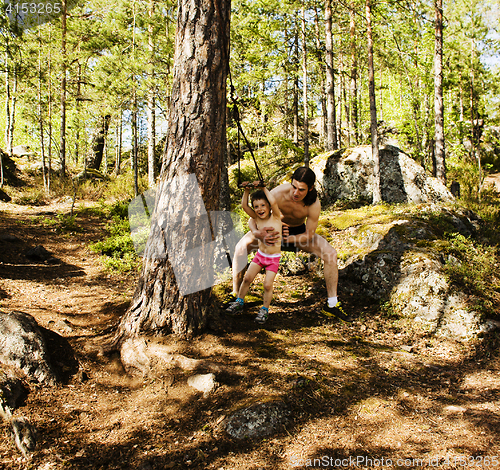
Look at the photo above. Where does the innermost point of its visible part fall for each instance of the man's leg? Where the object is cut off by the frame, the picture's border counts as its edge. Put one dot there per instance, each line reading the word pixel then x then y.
pixel 322 249
pixel 240 259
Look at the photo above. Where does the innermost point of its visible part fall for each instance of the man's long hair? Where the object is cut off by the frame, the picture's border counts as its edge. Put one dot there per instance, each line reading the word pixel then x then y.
pixel 306 175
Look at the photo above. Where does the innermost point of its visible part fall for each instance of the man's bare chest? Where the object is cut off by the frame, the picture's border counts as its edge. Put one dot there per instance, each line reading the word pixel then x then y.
pixel 293 211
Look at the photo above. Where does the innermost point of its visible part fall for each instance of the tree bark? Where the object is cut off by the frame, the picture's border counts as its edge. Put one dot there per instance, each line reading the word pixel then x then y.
pixel 151 98
pixel 377 197
pixel 94 160
pixel 62 150
pixel 353 121
pixel 296 88
pixel 438 95
pixel 165 300
pixel 7 101
pixel 331 125
pixel 118 153
pixel 304 88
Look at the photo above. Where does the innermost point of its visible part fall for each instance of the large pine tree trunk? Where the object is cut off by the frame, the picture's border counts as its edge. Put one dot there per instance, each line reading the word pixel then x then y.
pixel 168 298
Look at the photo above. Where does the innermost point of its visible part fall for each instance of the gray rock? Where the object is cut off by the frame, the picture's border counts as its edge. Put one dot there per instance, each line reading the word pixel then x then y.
pixel 12 391
pixel 23 346
pixel 204 383
pixel 348 174
pixel 257 421
pixel 4 196
pixel 8 237
pixel 24 435
pixel 38 253
pixel 292 265
pixel 22 150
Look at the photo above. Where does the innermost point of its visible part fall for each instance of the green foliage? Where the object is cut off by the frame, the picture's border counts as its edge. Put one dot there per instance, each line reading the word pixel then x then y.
pixel 117 249
pixel 474 267
pixel 31 197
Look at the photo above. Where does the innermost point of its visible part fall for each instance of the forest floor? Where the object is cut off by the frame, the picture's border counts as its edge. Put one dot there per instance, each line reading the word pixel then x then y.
pixel 373 393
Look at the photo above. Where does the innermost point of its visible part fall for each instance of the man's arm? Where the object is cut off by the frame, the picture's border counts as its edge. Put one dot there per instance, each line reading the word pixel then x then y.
pixel 311 225
pixel 268 235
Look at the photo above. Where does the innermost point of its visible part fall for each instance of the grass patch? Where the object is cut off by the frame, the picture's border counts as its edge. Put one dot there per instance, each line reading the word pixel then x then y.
pixel 474 268
pixel 117 249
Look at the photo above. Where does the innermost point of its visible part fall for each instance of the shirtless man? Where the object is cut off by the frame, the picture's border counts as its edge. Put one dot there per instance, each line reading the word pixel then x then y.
pixel 300 208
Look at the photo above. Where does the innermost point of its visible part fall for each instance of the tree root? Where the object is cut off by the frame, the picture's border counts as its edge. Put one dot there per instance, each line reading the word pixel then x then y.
pixel 147 356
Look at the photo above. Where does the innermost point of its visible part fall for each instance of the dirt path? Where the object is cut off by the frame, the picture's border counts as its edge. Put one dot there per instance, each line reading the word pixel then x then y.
pixel 370 394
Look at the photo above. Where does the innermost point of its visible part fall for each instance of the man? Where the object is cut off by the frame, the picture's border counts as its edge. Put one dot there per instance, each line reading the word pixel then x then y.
pixel 300 208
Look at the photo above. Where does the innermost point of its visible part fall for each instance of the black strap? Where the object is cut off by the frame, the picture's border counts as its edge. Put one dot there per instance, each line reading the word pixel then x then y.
pixel 242 134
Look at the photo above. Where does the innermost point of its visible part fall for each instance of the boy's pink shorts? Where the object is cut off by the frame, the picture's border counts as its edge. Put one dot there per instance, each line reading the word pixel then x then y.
pixel 269 262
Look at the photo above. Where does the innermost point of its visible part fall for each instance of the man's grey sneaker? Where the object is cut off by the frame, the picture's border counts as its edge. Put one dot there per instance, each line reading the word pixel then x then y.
pixel 262 316
pixel 234 307
pixel 336 311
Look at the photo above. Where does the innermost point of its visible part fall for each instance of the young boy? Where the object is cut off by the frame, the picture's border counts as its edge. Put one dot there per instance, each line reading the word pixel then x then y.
pixel 266 213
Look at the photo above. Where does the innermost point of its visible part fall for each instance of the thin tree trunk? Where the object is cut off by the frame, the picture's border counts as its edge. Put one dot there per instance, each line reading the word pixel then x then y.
pixel 321 75
pixel 12 119
pixel 135 145
pixel 151 99
pixel 475 127
pixel 62 150
pixel 353 121
pixel 188 191
pixel 296 90
pixel 7 100
pixel 438 95
pixel 94 161
pixel 77 114
pixel 331 126
pixel 49 113
pixel 40 113
pixel 119 132
pixel 304 88
pixel 377 197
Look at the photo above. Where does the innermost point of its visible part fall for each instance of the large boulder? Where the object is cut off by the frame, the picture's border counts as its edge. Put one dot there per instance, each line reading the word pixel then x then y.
pixel 400 263
pixel 348 175
pixel 23 346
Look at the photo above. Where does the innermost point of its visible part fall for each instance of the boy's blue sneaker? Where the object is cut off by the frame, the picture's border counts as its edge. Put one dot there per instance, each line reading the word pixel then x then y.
pixel 234 307
pixel 262 316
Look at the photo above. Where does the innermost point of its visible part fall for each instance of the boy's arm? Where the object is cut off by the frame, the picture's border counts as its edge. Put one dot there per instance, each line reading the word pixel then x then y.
pixel 244 204
pixel 273 202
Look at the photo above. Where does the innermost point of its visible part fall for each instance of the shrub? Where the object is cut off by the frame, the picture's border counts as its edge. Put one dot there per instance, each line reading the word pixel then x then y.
pixel 117 249
pixel 474 267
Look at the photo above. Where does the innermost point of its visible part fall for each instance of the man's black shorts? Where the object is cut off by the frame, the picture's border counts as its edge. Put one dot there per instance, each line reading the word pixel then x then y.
pixel 293 231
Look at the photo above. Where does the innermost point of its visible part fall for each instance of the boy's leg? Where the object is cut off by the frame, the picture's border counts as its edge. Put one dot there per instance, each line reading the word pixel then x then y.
pixel 252 271
pixel 268 287
pixel 246 244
